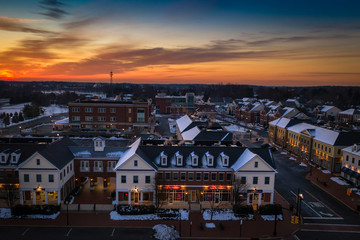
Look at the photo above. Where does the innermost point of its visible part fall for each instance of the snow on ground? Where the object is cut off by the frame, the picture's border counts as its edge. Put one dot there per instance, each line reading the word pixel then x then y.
pixel 283 153
pixel 302 165
pixel 226 214
pixel 172 125
pixel 163 232
pixel 339 181
pixel 272 217
pixel 210 225
pixel 52 109
pixel 13 108
pixel 235 128
pixel 291 158
pixel 326 171
pixel 115 216
pixel 5 213
pixel 39 216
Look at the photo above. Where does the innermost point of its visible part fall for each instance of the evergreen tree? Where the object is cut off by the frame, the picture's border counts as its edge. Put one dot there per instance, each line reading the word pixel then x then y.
pixel 15 118
pixel 21 117
pixel 7 119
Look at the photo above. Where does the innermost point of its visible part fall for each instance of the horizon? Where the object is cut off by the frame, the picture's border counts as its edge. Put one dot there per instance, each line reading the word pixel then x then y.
pixel 299 44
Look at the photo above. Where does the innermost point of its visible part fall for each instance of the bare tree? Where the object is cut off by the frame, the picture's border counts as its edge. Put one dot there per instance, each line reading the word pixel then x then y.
pixel 239 191
pixel 160 195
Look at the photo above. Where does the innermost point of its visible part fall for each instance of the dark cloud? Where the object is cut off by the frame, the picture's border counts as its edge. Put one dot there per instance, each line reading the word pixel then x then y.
pixel 9 25
pixel 52 9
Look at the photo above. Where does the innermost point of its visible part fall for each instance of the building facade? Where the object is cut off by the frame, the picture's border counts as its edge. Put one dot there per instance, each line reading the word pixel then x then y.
pixel 350 169
pixel 109 115
pixel 175 104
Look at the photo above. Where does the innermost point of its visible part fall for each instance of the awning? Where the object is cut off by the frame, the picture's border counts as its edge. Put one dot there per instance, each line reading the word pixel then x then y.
pixel 345 170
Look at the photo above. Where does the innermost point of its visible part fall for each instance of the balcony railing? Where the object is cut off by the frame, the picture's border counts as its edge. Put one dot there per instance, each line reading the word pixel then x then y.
pixel 98 169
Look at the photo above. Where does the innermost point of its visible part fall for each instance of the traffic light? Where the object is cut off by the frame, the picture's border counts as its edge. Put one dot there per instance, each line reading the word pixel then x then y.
pixel 297 200
pixel 294 219
pixel 348 191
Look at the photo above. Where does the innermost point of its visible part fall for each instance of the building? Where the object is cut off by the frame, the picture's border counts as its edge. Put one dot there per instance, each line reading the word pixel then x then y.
pixel 107 115
pixel 350 169
pixel 177 175
pixel 349 117
pixel 326 112
pixel 175 104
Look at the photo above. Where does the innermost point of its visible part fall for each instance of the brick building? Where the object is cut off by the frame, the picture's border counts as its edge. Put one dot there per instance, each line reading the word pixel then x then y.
pixel 175 104
pixel 106 115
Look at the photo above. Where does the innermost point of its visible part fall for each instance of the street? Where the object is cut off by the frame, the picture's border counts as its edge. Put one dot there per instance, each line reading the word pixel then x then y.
pixel 76 233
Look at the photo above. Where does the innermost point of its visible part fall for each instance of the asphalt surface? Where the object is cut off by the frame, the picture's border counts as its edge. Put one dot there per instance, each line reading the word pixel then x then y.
pixel 76 233
pixel 327 234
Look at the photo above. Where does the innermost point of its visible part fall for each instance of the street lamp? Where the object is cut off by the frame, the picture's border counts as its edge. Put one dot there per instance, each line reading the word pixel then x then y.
pixel 20 129
pixel 67 211
pixel 301 197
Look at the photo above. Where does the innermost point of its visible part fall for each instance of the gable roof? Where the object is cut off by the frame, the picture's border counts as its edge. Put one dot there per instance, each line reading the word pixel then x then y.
pixel 27 150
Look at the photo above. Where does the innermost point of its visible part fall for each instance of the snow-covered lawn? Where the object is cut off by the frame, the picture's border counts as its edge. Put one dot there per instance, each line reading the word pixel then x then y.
pixel 163 232
pixel 115 216
pixel 302 165
pixel 235 128
pixel 5 213
pixel 326 171
pixel 210 225
pixel 272 217
pixel 39 216
pixel 291 158
pixel 339 181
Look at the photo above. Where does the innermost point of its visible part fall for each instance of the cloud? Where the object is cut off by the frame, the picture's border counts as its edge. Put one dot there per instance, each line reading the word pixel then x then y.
pixel 53 9
pixel 18 25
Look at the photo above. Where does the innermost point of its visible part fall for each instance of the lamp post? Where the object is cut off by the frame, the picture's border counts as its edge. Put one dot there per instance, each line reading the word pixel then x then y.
pixel 301 197
pixel 20 130
pixel 67 212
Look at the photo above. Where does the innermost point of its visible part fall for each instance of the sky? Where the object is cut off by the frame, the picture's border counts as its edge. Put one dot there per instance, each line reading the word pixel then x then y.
pixel 272 43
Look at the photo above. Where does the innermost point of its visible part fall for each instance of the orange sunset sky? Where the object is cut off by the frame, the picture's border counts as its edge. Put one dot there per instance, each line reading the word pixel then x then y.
pixel 293 43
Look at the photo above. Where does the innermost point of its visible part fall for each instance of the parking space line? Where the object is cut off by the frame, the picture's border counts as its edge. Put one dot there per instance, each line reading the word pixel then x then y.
pixel 112 233
pixel 323 204
pixel 26 230
pixel 307 205
pixel 68 233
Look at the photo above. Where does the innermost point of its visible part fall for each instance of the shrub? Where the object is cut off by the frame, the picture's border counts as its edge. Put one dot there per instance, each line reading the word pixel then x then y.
pixel 22 210
pixel 241 210
pixel 270 209
pixel 135 210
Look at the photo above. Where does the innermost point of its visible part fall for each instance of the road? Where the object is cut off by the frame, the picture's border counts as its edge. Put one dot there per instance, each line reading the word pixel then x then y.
pixel 75 233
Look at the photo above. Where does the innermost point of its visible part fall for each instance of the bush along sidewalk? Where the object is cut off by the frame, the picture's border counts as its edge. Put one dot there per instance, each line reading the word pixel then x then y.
pixel 27 211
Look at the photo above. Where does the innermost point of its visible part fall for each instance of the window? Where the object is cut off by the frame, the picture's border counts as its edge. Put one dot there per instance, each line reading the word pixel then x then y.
pixel 163 160
pixel 329 150
pixel 76 118
pixel 37 161
pixel 175 176
pixel 129 119
pixel 123 178
pixel 140 115
pixel 359 163
pixel 191 176
pixel 70 166
pixel 84 166
pixel 26 178
pixel 67 169
pixel 243 180
pixel 64 173
pixel 210 159
pixel 221 176
pixel 353 160
pixel 182 176
pixel 160 176
pixel 147 179
pixel 60 176
pixel 112 110
pixel 102 119
pixel 3 159
pixel 98 166
pixel 228 177
pixel 51 177
pixel 213 176
pixel 75 109
pixel 135 163
pixel 135 179
pixel 179 159
pixel 347 157
pixel 198 176
pixel 129 110
pixel 88 110
pixel 112 119
pixel 38 177
pixel 267 180
pixel 255 180
pixel 101 110
pixel 167 176
pixel 194 159
pixel 88 118
pixel 206 176
pixel 256 164
pixel 339 151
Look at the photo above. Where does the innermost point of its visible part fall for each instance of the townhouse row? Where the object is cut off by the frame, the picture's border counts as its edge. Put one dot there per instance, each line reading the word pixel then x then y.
pixel 320 146
pixel 145 174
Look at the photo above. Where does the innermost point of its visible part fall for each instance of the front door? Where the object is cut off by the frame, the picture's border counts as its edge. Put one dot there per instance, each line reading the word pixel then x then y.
pixel 217 197
pixel 136 199
pixel 193 195
pixel 254 199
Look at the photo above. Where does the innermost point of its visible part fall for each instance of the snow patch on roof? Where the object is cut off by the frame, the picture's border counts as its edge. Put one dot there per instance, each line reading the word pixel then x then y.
pixel 190 134
pixel 326 108
pixel 129 153
pixel 82 154
pixel 245 157
pixel 348 112
pixel 183 122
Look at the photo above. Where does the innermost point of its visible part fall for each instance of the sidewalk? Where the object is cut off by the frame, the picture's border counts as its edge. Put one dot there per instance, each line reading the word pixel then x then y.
pixel 257 228
pixel 318 178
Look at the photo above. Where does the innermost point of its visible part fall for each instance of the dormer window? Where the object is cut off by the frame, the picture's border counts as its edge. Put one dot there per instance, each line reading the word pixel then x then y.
pixel 210 159
pixel 224 159
pixel 13 159
pixel 3 159
pixel 194 159
pixel 179 159
pixel 99 144
pixel 163 159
